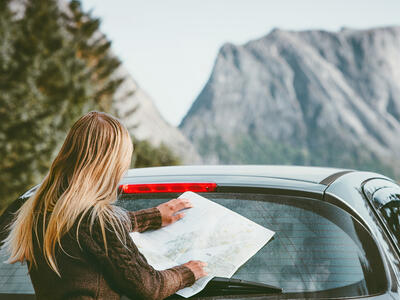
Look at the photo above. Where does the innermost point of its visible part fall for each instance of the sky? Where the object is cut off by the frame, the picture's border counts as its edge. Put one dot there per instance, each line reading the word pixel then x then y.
pixel 169 46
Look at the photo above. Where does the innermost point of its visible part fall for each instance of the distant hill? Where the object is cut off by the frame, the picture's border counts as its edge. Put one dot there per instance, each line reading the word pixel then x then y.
pixel 307 98
pixel 139 113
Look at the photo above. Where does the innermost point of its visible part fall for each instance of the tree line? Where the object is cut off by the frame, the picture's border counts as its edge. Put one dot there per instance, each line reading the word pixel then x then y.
pixel 55 65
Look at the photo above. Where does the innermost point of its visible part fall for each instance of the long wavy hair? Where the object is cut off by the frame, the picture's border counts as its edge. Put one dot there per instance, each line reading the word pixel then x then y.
pixel 85 174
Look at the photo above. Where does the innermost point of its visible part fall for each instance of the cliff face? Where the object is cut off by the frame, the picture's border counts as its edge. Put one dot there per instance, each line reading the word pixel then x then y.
pixel 310 98
pixel 144 121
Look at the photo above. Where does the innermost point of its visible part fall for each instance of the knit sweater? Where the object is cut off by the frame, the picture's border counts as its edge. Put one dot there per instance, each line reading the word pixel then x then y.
pixel 89 273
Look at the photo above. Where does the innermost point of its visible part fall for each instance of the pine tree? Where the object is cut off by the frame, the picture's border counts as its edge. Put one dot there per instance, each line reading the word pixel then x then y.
pixel 94 48
pixel 51 75
pixel 54 67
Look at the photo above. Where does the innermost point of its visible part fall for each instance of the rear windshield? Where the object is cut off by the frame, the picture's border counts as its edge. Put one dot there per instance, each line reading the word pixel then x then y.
pixel 317 246
pixel 318 250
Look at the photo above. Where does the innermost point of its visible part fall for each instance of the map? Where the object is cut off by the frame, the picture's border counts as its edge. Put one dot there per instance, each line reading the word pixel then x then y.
pixel 209 232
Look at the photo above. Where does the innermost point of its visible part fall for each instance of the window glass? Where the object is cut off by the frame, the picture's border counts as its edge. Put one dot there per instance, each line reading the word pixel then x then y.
pixel 385 196
pixel 317 246
pixel 14 278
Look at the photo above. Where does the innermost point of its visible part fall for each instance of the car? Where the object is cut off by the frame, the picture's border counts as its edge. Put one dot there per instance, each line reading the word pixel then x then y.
pixel 337 230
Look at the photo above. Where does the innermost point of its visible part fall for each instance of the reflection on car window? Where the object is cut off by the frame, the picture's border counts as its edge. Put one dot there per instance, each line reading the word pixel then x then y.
pixel 385 196
pixel 309 254
pixel 391 213
pixel 317 247
pixel 14 278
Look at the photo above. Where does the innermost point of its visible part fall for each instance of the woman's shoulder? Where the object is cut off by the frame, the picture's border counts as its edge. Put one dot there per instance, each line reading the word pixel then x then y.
pixel 92 226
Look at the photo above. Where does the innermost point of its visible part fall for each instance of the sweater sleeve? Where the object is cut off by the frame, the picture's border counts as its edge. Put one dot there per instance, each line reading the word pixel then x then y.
pixel 127 270
pixel 145 219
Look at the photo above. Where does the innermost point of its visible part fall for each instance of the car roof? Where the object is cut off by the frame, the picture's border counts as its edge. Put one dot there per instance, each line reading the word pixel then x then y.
pixel 298 173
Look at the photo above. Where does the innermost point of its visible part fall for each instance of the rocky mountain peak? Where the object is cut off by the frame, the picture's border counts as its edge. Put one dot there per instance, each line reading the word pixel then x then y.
pixel 303 97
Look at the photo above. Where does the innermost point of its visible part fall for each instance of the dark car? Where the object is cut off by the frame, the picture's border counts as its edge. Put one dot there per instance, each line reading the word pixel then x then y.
pixel 337 231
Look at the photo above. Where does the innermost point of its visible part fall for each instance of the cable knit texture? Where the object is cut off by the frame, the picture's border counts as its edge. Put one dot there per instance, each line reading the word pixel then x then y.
pixel 91 273
pixel 145 219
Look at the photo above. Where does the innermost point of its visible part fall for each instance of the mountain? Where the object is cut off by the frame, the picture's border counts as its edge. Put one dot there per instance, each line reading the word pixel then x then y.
pixel 308 98
pixel 143 120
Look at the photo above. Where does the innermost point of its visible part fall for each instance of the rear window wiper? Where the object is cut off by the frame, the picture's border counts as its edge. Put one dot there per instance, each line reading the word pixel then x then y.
pixel 229 286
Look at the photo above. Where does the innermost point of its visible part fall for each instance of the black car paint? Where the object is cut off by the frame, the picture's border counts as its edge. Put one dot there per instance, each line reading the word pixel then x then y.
pixel 349 187
pixel 342 188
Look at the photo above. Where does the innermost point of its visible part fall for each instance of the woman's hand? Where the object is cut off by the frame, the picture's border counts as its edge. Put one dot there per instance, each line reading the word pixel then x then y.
pixel 197 268
pixel 169 210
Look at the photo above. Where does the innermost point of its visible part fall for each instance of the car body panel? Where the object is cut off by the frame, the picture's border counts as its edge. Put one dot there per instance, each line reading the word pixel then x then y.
pixel 341 187
pixel 349 190
pixel 300 173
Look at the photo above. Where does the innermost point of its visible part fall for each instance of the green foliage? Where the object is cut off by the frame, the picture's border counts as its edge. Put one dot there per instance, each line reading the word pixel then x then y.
pixel 93 47
pixel 251 150
pixel 54 67
pixel 44 88
pixel 146 155
pixel 246 150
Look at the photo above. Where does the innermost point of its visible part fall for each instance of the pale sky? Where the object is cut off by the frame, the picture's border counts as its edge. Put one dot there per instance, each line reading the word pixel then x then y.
pixel 169 46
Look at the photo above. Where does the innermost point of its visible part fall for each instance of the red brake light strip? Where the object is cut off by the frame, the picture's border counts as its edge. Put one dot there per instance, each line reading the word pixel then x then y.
pixel 198 187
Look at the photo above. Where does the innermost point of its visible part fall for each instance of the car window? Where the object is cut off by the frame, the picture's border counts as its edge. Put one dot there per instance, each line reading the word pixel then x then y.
pixel 14 278
pixel 317 246
pixel 384 195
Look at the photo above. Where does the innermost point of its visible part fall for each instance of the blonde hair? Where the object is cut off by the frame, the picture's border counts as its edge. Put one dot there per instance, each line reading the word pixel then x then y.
pixel 85 174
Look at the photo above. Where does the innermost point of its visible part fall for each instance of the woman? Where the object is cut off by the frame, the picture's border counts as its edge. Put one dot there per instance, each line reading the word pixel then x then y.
pixel 75 241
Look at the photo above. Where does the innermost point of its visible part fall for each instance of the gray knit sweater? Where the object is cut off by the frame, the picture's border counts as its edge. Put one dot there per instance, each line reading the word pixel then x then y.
pixel 88 273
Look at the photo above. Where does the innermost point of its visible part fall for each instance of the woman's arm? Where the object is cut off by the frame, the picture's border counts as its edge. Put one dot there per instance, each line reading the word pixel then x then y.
pixel 145 219
pixel 127 270
pixel 156 217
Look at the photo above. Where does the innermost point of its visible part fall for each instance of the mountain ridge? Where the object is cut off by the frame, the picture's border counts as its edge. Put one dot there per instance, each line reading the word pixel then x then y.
pixel 144 121
pixel 298 95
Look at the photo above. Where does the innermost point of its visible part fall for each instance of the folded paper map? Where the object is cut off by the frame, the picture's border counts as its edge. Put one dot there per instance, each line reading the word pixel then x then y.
pixel 209 232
